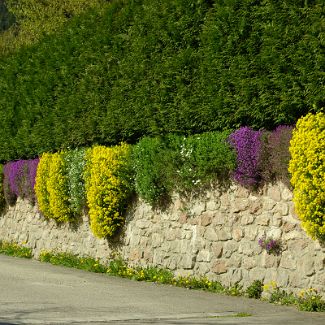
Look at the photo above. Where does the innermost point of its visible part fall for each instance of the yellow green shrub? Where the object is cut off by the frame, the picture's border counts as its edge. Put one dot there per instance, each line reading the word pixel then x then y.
pixel 307 168
pixel 52 189
pixel 108 187
pixel 41 188
pixel 36 18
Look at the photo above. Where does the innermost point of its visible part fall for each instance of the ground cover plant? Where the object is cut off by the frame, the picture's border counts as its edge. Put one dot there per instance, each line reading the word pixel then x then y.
pixel 13 249
pixel 306 300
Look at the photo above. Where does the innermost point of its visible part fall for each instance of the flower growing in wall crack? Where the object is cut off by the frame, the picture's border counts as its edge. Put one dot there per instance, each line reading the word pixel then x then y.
pixel 272 246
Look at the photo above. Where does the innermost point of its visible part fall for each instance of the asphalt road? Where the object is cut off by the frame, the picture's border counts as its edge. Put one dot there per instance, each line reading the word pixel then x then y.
pixel 36 293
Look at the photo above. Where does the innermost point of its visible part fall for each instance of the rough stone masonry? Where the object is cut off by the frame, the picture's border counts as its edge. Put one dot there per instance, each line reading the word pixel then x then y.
pixel 214 235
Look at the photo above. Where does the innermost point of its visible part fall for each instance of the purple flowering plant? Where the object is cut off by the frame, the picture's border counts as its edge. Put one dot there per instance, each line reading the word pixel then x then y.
pixel 272 246
pixel 247 144
pixel 19 180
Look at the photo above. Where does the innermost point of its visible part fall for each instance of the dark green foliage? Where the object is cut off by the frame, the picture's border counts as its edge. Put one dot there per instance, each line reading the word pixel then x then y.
pixel 255 289
pixel 153 165
pixel 151 68
pixel 6 18
pixel 262 62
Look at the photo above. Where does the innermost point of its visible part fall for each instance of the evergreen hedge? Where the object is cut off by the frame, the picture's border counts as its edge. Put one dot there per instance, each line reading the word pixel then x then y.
pixel 148 68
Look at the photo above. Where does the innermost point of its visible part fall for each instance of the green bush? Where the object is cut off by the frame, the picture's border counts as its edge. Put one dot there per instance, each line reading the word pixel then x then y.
pixel 75 165
pixel 202 159
pixel 151 68
pixel 153 165
pixel 175 163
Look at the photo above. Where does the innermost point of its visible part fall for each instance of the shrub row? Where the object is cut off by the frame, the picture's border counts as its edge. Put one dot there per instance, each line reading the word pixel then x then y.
pixel 103 178
pixel 152 68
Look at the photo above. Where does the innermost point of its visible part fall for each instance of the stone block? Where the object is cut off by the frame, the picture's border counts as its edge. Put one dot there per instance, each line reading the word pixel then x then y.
pixel 282 208
pixel 249 263
pixel 217 249
pixel 201 269
pixel 275 233
pixel 224 234
pixel 210 234
pixel 274 193
pixel 188 262
pixel 263 220
pixel 269 260
pixel 212 205
pixel 198 208
pixel 203 256
pixel 238 234
pixel 242 192
pixel 268 204
pixel 206 218
pixel 247 220
pixel 255 207
pixel 308 266
pixel 156 240
pixel 288 261
pixel 235 261
pixel 257 273
pixel 240 205
pixel 251 232
pixel 219 267
pixel 183 218
pixel 286 194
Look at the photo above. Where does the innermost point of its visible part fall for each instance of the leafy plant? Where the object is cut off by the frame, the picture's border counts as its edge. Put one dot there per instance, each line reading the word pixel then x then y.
pixel 255 290
pixel 108 187
pixel 71 260
pixel 19 180
pixel 153 165
pixel 75 164
pixel 307 167
pixel 272 246
pixel 310 300
pixel 52 188
pixel 202 159
pixel 247 144
pixel 275 157
pixel 14 249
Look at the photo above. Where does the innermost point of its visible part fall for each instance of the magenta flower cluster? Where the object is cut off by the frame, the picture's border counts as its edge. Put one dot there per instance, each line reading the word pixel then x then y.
pixel 19 179
pixel 247 144
pixel 271 245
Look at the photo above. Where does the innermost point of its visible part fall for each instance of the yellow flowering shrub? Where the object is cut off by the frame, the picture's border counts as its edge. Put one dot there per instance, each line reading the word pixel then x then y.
pixel 108 187
pixel 52 188
pixel 307 168
pixel 41 190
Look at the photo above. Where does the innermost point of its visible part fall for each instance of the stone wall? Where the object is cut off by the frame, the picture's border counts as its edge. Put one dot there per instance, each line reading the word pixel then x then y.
pixel 215 235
